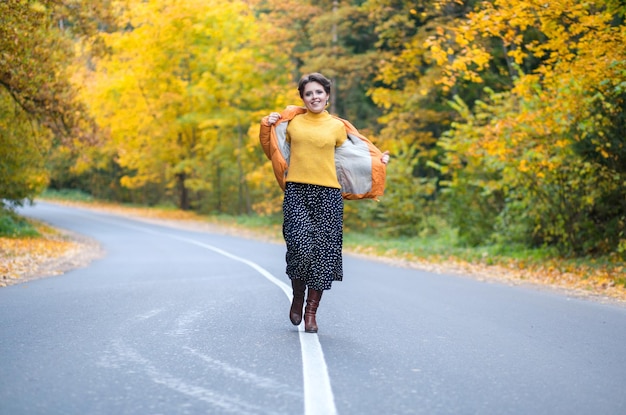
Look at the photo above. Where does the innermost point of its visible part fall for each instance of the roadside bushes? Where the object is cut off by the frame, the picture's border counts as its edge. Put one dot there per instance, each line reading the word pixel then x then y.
pixel 12 225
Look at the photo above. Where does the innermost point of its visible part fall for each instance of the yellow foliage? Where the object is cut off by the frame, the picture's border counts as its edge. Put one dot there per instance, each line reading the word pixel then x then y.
pixel 180 88
pixel 580 40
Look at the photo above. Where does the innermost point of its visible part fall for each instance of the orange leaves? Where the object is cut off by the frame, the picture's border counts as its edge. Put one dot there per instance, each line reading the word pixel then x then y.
pixel 581 278
pixel 586 279
pixel 24 257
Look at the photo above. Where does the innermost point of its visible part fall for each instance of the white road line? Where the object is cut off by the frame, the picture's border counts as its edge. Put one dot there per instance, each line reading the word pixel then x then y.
pixel 318 394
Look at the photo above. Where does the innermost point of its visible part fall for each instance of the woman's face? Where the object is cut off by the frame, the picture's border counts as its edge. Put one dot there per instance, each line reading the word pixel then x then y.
pixel 314 97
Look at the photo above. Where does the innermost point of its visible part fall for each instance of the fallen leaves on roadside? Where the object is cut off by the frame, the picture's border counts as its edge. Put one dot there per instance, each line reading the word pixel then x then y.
pixel 52 253
pixel 602 281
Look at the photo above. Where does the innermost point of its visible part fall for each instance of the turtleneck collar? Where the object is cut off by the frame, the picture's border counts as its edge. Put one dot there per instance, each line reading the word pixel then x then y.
pixel 313 116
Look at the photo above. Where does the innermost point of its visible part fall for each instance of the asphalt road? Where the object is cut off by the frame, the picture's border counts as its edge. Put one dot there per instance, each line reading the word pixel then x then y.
pixel 171 321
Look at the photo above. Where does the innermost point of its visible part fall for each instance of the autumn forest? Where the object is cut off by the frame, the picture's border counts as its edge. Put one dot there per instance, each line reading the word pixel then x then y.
pixel 505 121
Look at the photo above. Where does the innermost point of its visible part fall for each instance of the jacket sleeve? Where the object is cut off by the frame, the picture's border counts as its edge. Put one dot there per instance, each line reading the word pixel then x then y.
pixel 265 137
pixel 273 150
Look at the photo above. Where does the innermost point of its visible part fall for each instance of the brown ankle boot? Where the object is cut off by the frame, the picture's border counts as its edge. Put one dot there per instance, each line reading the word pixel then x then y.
pixel 312 302
pixel 295 312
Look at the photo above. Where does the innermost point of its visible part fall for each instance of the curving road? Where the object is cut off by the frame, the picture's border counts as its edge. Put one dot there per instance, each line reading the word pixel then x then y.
pixel 179 322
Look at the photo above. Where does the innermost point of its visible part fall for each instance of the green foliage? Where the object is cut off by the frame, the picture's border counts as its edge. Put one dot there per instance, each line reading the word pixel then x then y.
pixel 101 180
pixel 537 164
pixel 473 213
pixel 38 104
pixel 524 184
pixel 36 39
pixel 599 142
pixel 22 151
pixel 15 226
pixel 337 39
pixel 408 199
pixel 67 194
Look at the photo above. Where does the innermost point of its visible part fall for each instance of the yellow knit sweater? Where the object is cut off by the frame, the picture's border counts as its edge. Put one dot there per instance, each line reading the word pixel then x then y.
pixel 313 138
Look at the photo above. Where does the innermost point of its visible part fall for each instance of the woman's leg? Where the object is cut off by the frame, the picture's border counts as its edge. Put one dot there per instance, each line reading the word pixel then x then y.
pixel 327 266
pixel 295 312
pixel 297 233
pixel 312 302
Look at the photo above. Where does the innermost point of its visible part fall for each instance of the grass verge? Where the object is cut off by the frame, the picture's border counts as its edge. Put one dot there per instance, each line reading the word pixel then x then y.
pixel 15 226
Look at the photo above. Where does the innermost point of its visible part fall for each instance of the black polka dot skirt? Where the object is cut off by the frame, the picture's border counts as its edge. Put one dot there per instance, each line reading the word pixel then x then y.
pixel 313 231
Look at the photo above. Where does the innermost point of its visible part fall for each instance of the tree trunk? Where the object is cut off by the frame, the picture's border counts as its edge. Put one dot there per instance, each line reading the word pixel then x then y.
pixel 183 193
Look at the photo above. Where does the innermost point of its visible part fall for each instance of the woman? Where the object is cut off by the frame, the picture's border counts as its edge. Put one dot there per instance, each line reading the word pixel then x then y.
pixel 318 160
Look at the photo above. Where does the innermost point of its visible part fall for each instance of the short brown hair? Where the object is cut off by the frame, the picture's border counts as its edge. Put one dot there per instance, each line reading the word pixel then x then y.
pixel 314 77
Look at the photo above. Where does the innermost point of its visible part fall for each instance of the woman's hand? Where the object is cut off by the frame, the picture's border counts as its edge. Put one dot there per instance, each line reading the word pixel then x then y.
pixel 385 157
pixel 273 118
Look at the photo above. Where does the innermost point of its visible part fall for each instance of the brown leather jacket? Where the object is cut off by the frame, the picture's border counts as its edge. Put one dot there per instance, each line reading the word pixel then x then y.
pixel 360 171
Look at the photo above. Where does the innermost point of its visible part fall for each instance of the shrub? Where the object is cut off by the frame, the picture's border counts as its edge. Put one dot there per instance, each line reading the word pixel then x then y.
pixel 13 225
